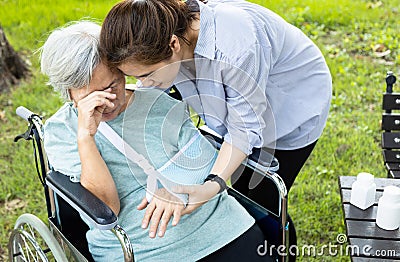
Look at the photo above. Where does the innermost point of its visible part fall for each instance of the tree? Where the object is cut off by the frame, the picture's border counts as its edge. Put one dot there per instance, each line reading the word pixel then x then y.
pixel 12 67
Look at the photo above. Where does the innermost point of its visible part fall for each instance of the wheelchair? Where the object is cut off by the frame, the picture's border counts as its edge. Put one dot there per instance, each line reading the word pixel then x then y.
pixel 66 202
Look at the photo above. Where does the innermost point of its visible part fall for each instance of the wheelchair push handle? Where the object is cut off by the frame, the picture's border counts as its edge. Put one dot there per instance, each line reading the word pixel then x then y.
pixel 35 123
pixel 24 112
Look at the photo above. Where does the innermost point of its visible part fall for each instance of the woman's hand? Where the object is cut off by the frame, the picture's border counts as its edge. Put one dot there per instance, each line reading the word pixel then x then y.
pixel 95 175
pixel 90 111
pixel 159 212
pixel 228 160
pixel 198 194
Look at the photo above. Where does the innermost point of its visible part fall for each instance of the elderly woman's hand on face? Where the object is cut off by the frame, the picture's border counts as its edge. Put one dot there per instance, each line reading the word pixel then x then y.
pixel 159 211
pixel 91 109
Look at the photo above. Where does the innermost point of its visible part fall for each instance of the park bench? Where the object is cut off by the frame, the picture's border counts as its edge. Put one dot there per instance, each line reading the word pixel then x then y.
pixel 391 128
pixel 368 242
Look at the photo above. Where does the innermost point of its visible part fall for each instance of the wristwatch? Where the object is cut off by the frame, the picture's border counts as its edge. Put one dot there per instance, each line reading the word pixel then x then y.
pixel 219 180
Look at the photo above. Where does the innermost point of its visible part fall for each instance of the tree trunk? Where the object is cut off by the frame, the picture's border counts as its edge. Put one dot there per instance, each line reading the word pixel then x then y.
pixel 12 67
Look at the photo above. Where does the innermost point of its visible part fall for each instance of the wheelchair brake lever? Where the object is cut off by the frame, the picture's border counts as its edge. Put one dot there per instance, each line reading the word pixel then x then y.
pixel 27 135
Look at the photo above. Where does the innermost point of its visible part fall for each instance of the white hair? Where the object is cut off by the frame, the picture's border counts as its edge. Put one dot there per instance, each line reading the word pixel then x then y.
pixel 69 56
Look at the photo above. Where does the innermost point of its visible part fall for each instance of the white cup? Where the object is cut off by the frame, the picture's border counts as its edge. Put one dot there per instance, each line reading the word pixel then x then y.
pixel 363 191
pixel 388 215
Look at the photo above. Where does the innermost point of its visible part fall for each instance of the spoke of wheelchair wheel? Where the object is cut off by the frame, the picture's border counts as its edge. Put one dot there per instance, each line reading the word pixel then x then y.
pixel 29 243
pixel 26 248
pixel 31 231
pixel 34 256
pixel 21 248
pixel 21 254
pixel 29 251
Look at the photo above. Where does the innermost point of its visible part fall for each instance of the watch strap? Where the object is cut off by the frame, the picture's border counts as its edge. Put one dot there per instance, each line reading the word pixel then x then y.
pixel 221 182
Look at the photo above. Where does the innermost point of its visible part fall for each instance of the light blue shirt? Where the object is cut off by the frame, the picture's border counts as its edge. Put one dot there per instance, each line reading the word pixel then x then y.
pixel 157 127
pixel 259 81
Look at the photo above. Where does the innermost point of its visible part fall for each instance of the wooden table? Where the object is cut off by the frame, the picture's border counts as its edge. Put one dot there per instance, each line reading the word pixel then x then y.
pixel 374 244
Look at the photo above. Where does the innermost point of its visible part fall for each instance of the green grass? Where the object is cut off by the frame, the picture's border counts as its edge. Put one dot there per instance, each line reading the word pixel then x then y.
pixel 349 33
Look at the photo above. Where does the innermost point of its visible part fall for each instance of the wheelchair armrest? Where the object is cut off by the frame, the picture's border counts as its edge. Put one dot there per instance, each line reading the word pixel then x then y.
pixel 95 211
pixel 259 159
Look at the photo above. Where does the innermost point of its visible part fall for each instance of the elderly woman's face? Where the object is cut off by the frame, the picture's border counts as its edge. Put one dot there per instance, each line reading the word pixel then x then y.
pixel 102 79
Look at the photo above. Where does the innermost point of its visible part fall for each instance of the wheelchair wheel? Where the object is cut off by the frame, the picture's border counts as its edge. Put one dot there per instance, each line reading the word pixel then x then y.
pixel 31 240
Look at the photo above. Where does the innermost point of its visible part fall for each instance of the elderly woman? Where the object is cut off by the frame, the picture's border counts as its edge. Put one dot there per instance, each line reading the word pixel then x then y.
pixel 157 127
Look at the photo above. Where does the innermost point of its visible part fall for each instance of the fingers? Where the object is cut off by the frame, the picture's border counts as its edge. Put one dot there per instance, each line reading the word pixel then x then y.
pixel 155 220
pixel 91 109
pixel 160 211
pixel 104 102
pixel 177 216
pixel 159 217
pixel 164 222
pixel 147 215
pixel 107 90
pixel 97 99
pixel 142 204
pixel 104 93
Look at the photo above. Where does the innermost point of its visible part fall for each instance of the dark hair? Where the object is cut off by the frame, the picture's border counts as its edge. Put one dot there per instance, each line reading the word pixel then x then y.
pixel 141 30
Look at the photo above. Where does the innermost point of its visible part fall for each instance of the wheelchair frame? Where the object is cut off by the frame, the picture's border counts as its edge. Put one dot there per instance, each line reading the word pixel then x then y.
pixel 105 220
pixel 99 214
